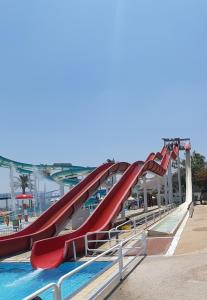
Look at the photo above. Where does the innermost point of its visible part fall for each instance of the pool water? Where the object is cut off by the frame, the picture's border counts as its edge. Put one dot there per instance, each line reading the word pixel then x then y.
pixel 18 280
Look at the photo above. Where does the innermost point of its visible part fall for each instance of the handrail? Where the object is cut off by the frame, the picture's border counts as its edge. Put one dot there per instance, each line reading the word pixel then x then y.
pixel 115 230
pixel 118 246
pixel 57 287
pixel 43 289
pixel 57 295
pixel 168 207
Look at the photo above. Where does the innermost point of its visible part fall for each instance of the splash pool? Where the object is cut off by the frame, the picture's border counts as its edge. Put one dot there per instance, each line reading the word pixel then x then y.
pixel 18 280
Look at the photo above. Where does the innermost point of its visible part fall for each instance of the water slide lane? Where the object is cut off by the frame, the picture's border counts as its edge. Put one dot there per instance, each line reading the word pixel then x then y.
pixel 52 220
pixel 49 253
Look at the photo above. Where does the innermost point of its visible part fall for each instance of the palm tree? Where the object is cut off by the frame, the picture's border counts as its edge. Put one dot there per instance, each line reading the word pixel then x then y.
pixel 23 182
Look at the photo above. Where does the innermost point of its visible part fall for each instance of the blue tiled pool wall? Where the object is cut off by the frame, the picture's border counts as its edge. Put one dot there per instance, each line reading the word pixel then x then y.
pixel 18 280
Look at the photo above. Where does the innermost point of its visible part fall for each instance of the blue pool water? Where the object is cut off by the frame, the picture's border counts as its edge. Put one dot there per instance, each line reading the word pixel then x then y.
pixel 18 280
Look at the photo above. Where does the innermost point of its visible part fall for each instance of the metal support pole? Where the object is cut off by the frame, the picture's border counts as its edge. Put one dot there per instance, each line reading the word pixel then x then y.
pixel 123 211
pixel 145 220
pixel 114 179
pixel 158 192
pixel 13 200
pixel 188 177
pixel 144 241
pixel 134 224
pixel 179 180
pixel 145 194
pixel 138 200
pixel 170 183
pixel 61 184
pixel 74 251
pixel 120 258
pixel 35 192
pixel 166 190
pixel 86 245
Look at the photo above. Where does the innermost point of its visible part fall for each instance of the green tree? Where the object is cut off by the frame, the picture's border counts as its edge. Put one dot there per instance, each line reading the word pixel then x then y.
pixel 199 173
pixel 23 182
pixel 197 162
pixel 198 169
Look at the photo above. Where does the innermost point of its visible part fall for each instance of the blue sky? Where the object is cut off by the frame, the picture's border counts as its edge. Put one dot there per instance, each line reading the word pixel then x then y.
pixel 84 80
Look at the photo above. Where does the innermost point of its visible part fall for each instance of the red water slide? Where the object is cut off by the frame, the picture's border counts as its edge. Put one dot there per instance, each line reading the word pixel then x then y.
pixel 52 221
pixel 50 253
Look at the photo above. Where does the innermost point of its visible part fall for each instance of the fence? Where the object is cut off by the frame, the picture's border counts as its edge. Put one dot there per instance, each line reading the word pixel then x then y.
pixel 7 230
pixel 121 250
pixel 117 234
pixel 136 243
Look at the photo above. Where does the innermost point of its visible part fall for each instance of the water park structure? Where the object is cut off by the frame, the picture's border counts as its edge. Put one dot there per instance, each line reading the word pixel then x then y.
pixel 64 174
pixel 49 249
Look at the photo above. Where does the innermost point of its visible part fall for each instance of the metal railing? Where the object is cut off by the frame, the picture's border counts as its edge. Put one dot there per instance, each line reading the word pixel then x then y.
pixel 53 286
pixel 149 216
pixel 136 242
pixel 7 230
pixel 137 224
pixel 121 249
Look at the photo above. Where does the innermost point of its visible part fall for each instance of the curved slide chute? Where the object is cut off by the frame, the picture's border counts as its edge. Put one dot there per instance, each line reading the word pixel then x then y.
pixel 50 253
pixel 52 220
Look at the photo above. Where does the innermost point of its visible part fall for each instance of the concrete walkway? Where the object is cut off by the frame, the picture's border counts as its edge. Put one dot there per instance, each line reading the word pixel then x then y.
pixel 164 278
pixel 194 236
pixel 182 276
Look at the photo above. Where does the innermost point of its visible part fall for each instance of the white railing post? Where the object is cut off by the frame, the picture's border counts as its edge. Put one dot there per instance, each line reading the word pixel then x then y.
pixel 134 224
pixel 158 192
pixel 144 241
pixel 120 258
pixel 57 293
pixel 55 290
pixel 145 219
pixel 145 194
pixel 110 238
pixel 117 237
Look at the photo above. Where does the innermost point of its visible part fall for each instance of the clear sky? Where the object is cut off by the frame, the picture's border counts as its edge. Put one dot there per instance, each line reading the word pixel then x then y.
pixel 86 80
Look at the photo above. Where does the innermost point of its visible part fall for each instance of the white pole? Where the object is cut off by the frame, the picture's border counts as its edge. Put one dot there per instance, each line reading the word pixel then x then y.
pixel 158 192
pixel 13 200
pixel 138 198
pixel 145 194
pixel 61 184
pixel 170 183
pixel 188 178
pixel 114 179
pixel 35 192
pixel 166 190
pixel 123 211
pixel 179 180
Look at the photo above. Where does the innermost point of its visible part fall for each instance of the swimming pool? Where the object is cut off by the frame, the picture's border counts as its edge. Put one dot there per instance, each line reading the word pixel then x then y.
pixel 18 280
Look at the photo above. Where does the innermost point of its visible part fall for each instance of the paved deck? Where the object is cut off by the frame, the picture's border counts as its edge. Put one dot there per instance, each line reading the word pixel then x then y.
pixel 182 276
pixel 194 235
pixel 163 278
